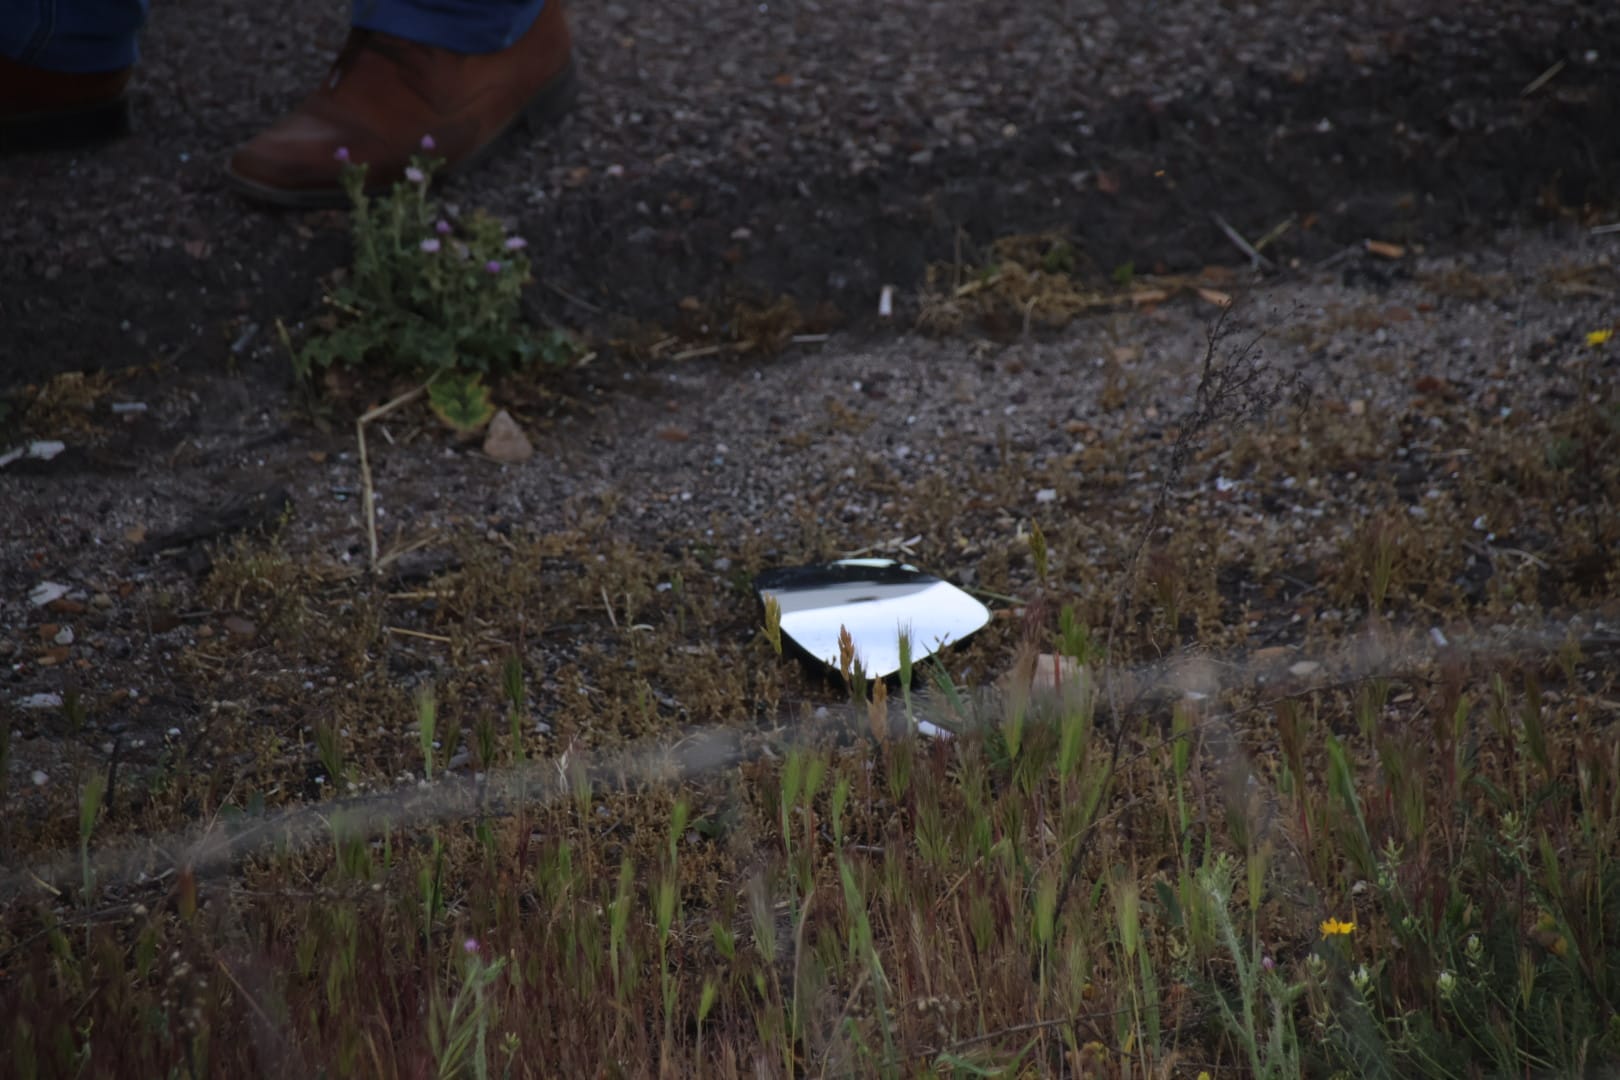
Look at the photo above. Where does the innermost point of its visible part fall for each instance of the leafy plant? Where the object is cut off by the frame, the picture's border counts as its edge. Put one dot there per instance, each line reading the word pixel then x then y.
pixel 427 292
pixel 461 400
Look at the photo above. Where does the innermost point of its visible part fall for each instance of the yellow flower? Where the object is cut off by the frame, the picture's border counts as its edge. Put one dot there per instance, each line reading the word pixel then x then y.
pixel 1335 928
pixel 1599 337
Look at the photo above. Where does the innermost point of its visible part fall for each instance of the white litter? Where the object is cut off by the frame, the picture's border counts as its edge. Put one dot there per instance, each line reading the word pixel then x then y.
pixel 45 592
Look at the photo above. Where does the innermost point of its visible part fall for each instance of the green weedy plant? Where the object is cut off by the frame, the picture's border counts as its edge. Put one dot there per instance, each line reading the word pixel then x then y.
pixel 427 713
pixel 1272 1050
pixel 89 809
pixel 425 293
pixel 459 1033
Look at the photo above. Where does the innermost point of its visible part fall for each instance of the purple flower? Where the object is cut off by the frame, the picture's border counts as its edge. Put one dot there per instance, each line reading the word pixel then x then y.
pixel 1268 963
pixel 442 227
pixel 516 243
pixel 342 154
pixel 430 245
pixel 415 175
pixel 493 266
pixel 470 946
pixel 428 143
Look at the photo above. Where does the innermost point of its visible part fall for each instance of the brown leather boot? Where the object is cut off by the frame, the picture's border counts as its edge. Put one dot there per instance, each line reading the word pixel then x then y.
pixel 58 110
pixel 384 94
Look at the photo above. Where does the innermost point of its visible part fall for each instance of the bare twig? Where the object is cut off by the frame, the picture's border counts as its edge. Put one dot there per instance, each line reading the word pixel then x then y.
pixel 571 298
pixel 1243 245
pixel 369 495
pixel 418 634
pixel 1276 232
pixel 1232 386
pixel 1543 79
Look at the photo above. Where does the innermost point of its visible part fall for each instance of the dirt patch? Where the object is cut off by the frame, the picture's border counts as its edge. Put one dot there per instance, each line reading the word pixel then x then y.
pixel 1420 134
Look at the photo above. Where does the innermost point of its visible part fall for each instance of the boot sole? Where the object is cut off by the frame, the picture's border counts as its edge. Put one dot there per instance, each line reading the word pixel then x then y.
pixel 69 129
pixel 542 111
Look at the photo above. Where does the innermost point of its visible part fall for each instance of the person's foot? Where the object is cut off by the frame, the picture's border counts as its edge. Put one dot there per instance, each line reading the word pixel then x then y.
pixel 57 110
pixel 384 94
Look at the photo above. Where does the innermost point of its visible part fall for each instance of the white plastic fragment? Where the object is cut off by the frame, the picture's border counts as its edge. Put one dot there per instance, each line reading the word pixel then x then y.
pixel 45 592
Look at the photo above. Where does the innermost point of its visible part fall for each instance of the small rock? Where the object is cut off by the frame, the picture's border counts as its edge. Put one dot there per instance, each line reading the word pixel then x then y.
pixel 1304 668
pixel 45 592
pixel 41 701
pixel 39 778
pixel 101 601
pixel 240 627
pixel 1269 656
pixel 64 636
pixel 506 441
pixel 1046 495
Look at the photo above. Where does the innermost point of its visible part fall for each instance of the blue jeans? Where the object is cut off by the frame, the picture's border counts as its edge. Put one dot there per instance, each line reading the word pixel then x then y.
pixel 100 35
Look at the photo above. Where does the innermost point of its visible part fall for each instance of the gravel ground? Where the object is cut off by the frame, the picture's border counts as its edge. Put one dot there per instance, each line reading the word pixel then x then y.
pixel 851 142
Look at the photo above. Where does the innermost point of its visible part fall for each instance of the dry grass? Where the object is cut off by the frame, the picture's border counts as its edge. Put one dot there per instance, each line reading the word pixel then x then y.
pixel 648 847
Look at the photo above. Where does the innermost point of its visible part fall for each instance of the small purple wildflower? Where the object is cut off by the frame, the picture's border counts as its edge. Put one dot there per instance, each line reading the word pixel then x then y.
pixel 516 243
pixel 415 175
pixel 428 143
pixel 1268 963
pixel 431 245
pixel 442 227
pixel 493 266
pixel 342 154
pixel 470 946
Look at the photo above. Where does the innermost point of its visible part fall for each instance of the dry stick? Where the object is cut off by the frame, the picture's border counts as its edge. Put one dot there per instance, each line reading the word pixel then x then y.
pixel 1543 79
pixel 418 634
pixel 571 298
pixel 369 495
pixel 1243 245
pixel 1276 232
